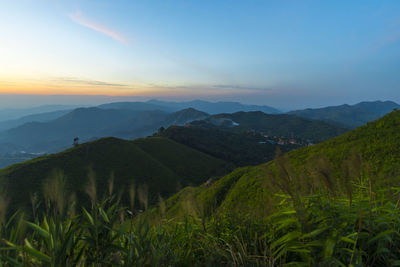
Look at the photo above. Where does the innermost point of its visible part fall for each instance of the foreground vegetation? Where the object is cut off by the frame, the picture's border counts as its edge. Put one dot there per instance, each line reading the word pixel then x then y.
pixel 312 230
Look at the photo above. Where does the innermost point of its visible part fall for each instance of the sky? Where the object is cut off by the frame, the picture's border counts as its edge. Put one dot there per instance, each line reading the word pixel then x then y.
pixel 286 54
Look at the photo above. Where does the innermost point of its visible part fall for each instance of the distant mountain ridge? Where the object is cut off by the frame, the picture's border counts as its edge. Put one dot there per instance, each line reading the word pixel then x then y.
pixel 215 107
pixel 39 117
pixel 91 123
pixel 53 130
pixel 349 115
pixel 16 113
pixel 136 106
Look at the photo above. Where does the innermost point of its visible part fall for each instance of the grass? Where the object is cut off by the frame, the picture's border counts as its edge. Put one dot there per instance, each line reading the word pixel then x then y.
pixel 327 232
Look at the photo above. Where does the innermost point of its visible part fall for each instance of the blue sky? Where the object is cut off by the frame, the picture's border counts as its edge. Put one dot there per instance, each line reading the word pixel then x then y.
pixel 288 54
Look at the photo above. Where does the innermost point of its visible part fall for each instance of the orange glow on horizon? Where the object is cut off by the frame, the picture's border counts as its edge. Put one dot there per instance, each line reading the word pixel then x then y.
pixel 62 88
pixel 65 91
pixel 73 86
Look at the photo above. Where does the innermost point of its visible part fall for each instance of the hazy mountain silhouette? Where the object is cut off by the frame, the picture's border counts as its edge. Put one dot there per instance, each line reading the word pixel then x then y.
pixel 349 115
pixel 214 107
pixel 92 123
pixel 16 113
pixel 39 117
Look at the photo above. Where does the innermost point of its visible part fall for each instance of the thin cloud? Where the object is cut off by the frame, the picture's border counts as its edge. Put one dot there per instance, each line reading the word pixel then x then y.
pixel 88 82
pixel 80 19
pixel 244 88
pixel 201 90
pixel 387 40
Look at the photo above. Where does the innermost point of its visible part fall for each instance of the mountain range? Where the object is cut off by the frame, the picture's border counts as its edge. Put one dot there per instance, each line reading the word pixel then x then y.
pixel 17 113
pixel 55 130
pixel 91 123
pixel 334 167
pixel 37 117
pixel 349 115
pixel 214 107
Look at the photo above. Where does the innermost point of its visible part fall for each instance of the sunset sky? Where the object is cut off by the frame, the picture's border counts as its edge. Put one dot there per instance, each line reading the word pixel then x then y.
pixel 279 53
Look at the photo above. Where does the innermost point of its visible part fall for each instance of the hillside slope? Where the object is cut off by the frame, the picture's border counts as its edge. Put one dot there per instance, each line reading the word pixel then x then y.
pixel 367 157
pixel 162 165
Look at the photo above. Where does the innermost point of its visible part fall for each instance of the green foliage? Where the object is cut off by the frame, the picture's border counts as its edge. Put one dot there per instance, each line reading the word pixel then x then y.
pixel 331 232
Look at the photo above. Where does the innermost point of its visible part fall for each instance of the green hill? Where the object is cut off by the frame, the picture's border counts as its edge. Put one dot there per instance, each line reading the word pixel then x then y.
pixel 367 157
pixel 162 165
pixel 241 148
pixel 273 125
pixel 250 138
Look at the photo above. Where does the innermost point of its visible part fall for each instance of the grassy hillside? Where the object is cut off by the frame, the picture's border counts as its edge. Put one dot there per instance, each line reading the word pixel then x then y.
pixel 365 157
pixel 161 165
